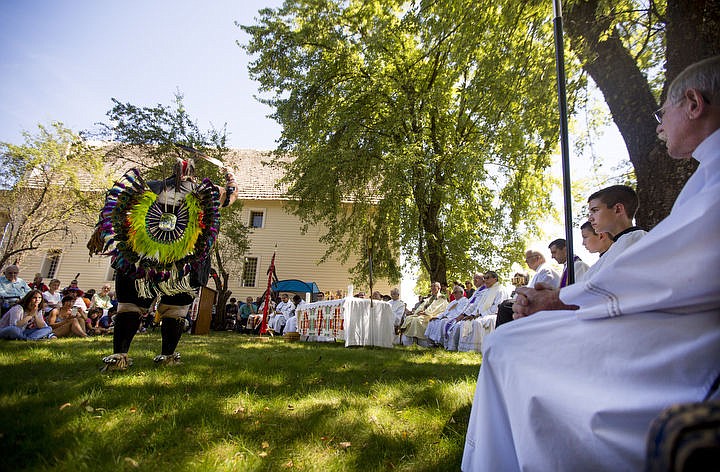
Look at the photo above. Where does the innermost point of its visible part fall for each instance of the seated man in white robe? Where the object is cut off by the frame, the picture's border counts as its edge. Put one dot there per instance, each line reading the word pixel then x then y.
pixel 435 330
pixel 471 307
pixel 544 274
pixel 576 386
pixel 398 308
pixel 283 311
pixel 468 335
pixel 291 324
pixel 413 328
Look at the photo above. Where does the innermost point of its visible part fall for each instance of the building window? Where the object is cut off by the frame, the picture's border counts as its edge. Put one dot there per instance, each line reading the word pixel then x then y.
pixel 250 272
pixel 51 263
pixel 257 218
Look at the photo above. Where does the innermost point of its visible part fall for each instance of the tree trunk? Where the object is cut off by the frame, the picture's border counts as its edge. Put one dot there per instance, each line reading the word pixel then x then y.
pixel 223 294
pixel 692 33
pixel 432 244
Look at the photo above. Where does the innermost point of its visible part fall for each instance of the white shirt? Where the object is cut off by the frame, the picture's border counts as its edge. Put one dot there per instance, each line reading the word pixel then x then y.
pixel 488 303
pixel 52 300
pixel 398 309
pixel 546 275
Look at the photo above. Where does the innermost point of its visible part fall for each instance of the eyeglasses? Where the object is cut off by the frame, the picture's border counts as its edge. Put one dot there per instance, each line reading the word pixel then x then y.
pixel 658 114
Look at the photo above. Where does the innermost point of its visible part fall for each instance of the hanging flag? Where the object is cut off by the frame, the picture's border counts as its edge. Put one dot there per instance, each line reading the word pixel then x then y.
pixel 271 275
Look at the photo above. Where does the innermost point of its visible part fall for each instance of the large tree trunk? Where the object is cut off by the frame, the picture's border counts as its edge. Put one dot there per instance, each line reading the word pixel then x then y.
pixel 692 33
pixel 432 246
pixel 223 294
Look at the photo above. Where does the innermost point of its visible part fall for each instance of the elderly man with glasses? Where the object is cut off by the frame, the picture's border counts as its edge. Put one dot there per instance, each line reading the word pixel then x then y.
pixel 576 381
pixel 467 335
pixel 12 287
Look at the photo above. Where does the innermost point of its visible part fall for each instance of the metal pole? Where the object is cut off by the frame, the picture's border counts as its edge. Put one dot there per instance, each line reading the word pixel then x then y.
pixel 564 146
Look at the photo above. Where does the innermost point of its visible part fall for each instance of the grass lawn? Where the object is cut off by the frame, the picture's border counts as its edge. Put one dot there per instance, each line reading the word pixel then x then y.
pixel 236 403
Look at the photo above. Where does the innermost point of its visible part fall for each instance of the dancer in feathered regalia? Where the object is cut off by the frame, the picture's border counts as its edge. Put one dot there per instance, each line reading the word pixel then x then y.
pixel 158 234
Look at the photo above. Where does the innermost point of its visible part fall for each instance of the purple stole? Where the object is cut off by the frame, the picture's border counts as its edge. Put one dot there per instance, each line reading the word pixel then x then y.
pixel 563 280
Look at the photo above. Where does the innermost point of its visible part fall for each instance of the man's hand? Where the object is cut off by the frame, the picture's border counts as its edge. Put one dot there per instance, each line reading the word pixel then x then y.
pixel 542 297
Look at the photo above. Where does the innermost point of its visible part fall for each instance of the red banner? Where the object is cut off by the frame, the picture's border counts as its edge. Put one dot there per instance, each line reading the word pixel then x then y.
pixel 266 305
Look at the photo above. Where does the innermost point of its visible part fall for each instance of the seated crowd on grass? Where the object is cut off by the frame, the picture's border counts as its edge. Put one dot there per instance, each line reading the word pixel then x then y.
pixel 60 313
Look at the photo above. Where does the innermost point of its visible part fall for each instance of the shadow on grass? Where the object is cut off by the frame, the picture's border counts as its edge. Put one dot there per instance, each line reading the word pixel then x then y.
pixel 230 398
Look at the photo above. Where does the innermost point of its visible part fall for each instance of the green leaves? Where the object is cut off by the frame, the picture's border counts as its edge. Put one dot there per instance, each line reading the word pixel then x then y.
pixel 45 184
pixel 421 115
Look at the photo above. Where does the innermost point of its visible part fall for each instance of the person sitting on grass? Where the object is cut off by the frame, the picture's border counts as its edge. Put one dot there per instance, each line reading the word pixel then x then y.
pixel 92 323
pixel 102 299
pixel 12 287
pixel 67 320
pixel 52 297
pixel 25 319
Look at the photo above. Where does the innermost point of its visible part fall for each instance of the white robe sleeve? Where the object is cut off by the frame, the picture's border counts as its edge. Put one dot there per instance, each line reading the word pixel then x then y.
pixel 674 268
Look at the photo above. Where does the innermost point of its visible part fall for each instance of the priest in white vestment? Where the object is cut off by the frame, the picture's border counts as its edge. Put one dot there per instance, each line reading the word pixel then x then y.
pixel 414 325
pixel 471 308
pixel 398 308
pixel 577 388
pixel 469 334
pixel 283 311
pixel 435 330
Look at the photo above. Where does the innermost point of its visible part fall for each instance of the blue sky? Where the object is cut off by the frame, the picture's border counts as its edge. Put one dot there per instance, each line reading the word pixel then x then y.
pixel 64 61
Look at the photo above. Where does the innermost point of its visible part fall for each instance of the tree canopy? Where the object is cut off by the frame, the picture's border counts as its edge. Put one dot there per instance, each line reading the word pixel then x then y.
pixel 44 189
pixel 633 49
pixel 424 127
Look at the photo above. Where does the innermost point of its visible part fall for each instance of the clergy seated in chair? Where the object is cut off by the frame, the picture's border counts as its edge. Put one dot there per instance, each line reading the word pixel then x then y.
pixel 435 330
pixel 575 381
pixel 399 309
pixel 467 335
pixel 414 326
pixel 283 311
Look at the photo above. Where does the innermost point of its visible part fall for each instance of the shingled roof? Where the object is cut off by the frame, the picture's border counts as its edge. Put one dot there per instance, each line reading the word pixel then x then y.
pixel 256 179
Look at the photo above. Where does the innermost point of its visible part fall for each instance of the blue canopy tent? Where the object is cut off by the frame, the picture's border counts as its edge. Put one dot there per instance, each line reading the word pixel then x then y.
pixel 295 286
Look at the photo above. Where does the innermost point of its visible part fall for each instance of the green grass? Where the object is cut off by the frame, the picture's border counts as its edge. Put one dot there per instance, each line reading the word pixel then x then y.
pixel 236 403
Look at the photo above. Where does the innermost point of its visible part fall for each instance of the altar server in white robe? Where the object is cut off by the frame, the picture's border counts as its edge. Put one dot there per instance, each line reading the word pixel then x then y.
pixel 577 389
pixel 471 332
pixel 612 210
pixel 435 330
pixel 398 308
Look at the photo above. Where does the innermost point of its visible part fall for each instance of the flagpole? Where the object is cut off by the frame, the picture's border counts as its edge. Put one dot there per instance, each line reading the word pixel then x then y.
pixel 266 305
pixel 564 146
